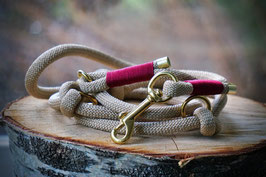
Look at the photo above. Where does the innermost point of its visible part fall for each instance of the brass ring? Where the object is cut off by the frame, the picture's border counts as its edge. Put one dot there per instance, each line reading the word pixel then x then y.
pixel 157 96
pixel 89 97
pixel 84 74
pixel 203 98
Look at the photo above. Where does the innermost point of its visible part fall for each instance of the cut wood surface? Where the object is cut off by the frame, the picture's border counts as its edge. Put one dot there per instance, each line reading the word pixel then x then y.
pixel 31 123
pixel 243 120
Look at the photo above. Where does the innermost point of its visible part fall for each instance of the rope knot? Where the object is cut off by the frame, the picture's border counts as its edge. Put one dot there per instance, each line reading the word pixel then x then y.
pixel 67 99
pixel 70 98
pixel 207 121
pixel 69 102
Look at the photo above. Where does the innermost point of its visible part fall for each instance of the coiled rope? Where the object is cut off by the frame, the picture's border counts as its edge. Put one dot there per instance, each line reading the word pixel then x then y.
pixel 159 120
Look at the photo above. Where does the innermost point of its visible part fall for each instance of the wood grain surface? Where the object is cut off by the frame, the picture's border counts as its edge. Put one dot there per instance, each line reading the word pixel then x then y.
pixel 45 143
pixel 243 120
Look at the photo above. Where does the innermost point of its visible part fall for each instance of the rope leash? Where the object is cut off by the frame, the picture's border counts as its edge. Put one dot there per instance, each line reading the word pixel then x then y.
pixel 96 99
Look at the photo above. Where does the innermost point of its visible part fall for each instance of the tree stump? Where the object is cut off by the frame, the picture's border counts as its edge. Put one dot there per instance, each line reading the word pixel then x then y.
pixel 45 143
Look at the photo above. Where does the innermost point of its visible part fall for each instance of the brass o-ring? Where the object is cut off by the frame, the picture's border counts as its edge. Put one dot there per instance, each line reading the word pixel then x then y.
pixel 183 106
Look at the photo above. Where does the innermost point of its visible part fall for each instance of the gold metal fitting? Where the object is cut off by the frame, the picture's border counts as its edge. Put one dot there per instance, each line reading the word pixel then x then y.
pixel 161 63
pixel 232 88
pixel 87 97
pixel 203 98
pixel 156 94
pixel 81 73
pixel 127 120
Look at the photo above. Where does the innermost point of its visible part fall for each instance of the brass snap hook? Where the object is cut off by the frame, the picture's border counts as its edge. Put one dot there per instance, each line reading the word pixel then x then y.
pixel 128 123
pixel 88 97
pixel 203 98
pixel 127 120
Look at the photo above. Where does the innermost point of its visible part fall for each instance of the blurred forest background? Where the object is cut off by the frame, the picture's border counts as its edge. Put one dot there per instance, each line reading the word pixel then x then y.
pixel 222 36
pixel 227 37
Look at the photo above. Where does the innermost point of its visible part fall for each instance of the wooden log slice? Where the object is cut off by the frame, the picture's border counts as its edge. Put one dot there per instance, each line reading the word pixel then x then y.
pixel 45 143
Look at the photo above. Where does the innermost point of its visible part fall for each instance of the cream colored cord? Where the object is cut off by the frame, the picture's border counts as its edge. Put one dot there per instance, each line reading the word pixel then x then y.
pixel 159 120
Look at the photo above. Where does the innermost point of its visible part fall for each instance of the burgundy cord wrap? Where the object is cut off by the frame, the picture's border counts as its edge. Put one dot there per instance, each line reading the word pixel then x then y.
pixel 206 87
pixel 130 75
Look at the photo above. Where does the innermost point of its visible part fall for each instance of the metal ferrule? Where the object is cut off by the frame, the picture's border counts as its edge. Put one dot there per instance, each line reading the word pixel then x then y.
pixel 232 88
pixel 161 63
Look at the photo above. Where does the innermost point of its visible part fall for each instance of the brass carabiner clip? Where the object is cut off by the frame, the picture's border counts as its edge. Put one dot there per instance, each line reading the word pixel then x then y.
pixel 127 120
pixel 128 123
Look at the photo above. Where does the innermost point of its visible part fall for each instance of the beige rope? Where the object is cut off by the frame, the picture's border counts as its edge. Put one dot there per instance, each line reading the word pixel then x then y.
pixel 160 120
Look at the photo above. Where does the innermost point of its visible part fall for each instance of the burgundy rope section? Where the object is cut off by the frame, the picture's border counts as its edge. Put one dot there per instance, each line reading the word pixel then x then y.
pixel 129 75
pixel 206 87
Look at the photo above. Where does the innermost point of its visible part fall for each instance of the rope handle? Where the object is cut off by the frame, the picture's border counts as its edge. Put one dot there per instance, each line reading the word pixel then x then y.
pixel 58 52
